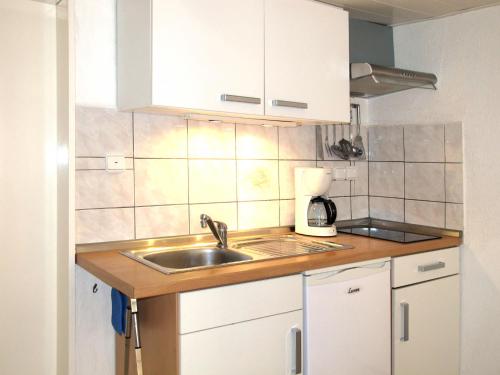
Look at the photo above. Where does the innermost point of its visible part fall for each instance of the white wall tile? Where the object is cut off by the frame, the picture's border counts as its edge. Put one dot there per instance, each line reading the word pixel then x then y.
pixel 161 221
pixel 101 132
pixel 212 181
pixel 386 143
pixel 338 188
pixel 211 140
pixel 454 216
pixel 297 143
pixel 453 142
pixel 287 212
pixel 161 181
pixel 454 183
pixel 387 208
pixel 359 207
pixel 90 163
pixel 424 181
pixel 225 212
pixel 386 179
pixel 256 142
pixel 257 180
pixel 113 224
pixel 287 176
pixel 261 214
pixel 425 213
pixel 103 189
pixel 343 205
pixel 424 143
pixel 360 184
pixel 159 136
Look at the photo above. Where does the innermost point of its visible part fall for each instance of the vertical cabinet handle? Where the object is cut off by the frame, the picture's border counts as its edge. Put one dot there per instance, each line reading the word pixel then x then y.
pixel 431 267
pixel 239 99
pixel 296 351
pixel 405 323
pixel 287 103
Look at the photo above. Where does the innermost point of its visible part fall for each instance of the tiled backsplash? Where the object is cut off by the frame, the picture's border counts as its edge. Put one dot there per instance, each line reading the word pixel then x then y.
pixel 243 175
pixel 415 174
pixel 177 169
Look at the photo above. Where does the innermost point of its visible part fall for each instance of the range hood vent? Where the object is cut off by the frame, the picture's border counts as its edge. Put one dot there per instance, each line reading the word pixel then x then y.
pixel 369 80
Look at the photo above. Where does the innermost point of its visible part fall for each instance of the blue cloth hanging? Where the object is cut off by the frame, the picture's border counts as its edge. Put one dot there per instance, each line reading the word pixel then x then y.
pixel 119 302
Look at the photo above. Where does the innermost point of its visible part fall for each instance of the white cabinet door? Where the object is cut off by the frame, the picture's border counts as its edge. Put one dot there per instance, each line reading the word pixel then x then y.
pixel 263 346
pixel 307 60
pixel 426 337
pixel 203 49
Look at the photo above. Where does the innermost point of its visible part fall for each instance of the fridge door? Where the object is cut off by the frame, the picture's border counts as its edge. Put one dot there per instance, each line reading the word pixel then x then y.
pixel 348 324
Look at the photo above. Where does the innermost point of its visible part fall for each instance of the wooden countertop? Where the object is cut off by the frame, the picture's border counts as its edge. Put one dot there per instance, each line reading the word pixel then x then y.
pixel 140 281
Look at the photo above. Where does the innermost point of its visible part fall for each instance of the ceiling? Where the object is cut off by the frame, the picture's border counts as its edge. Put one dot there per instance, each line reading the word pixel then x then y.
pixel 396 12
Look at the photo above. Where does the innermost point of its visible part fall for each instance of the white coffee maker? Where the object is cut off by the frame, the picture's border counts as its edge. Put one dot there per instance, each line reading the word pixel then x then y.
pixel 315 214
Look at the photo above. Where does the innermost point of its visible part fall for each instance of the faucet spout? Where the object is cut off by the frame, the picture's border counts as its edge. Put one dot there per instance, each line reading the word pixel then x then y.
pixel 218 228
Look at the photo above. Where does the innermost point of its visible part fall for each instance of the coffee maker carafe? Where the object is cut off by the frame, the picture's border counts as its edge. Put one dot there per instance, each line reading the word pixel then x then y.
pixel 315 214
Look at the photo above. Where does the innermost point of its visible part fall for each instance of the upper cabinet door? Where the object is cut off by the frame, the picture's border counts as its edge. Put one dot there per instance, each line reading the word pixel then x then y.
pixel 208 54
pixel 306 60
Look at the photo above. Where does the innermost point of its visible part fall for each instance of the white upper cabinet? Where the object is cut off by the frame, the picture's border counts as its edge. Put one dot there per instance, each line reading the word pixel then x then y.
pixel 203 50
pixel 307 60
pixel 191 54
pixel 234 58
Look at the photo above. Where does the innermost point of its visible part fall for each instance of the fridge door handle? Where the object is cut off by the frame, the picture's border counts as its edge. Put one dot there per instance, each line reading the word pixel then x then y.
pixel 405 324
pixel 296 351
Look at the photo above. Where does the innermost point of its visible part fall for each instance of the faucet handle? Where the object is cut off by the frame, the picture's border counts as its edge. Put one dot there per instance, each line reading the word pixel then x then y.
pixel 203 220
pixel 222 229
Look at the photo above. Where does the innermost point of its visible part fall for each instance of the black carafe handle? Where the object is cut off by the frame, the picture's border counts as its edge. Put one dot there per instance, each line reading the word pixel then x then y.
pixel 331 211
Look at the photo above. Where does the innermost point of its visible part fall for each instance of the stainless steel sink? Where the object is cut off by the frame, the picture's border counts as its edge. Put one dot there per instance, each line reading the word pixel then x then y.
pixel 190 258
pixel 186 258
pixel 172 260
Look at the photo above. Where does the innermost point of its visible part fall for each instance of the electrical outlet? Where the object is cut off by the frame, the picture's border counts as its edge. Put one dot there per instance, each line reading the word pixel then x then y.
pixel 339 173
pixel 352 173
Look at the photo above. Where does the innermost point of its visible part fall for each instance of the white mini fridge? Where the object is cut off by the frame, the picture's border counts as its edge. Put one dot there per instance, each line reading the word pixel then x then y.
pixel 348 319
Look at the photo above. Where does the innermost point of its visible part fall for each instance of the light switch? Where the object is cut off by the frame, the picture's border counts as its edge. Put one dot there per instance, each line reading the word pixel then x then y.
pixel 115 163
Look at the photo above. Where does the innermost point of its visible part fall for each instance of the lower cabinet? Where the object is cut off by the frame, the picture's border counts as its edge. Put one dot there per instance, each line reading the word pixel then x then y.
pixel 426 318
pixel 265 346
pixel 245 329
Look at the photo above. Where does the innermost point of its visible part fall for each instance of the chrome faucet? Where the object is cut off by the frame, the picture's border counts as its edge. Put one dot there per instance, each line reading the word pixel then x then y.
pixel 218 228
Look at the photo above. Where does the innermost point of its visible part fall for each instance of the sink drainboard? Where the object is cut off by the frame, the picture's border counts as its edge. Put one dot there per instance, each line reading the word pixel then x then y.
pixel 284 246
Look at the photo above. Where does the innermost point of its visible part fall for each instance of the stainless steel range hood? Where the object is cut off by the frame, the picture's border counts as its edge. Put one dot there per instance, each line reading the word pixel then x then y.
pixel 368 80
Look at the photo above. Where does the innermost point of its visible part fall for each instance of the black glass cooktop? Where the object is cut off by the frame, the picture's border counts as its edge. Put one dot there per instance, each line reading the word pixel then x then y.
pixel 387 234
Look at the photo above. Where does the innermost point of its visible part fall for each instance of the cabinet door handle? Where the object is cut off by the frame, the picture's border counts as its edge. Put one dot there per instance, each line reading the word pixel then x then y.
pixel 405 323
pixel 296 351
pixel 431 267
pixel 286 103
pixel 239 99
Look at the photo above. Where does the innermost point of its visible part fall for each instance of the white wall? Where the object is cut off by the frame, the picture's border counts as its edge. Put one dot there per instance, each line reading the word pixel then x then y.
pixel 464 52
pixel 28 180
pixel 65 188
pixel 95 80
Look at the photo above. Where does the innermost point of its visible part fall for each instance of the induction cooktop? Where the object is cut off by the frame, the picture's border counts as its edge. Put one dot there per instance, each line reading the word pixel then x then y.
pixel 387 234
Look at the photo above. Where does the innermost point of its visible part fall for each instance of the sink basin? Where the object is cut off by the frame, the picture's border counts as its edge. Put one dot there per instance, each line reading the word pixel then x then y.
pixel 194 257
pixel 172 260
pixel 190 258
